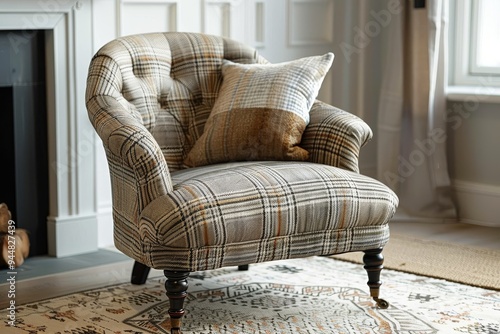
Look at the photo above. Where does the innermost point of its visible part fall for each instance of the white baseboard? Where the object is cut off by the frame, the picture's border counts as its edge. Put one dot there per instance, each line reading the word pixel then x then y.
pixel 72 235
pixel 477 203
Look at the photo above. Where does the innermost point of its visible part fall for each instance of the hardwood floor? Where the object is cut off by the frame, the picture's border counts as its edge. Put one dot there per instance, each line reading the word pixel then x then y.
pixel 457 233
pixel 46 277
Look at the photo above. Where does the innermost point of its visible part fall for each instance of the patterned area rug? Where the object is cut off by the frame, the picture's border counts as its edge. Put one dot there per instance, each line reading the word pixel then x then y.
pixel 314 295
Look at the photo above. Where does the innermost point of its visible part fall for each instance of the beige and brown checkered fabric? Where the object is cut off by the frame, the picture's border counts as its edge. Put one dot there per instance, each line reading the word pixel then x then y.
pixel 149 96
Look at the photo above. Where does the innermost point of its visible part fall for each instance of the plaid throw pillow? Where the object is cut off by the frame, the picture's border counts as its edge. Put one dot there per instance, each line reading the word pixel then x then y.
pixel 261 111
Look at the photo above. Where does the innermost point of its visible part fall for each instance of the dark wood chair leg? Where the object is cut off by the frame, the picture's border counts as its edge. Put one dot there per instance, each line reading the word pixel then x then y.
pixel 374 260
pixel 243 267
pixel 139 273
pixel 176 287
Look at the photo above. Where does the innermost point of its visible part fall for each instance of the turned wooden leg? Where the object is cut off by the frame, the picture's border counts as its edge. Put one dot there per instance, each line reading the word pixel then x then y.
pixel 176 286
pixel 139 273
pixel 374 260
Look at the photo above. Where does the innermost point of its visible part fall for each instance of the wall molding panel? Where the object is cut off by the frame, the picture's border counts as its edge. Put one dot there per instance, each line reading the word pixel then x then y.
pixel 137 16
pixel 217 18
pixel 260 26
pixel 226 18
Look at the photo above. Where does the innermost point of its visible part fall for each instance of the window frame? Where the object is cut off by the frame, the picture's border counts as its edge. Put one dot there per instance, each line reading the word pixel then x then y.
pixel 464 70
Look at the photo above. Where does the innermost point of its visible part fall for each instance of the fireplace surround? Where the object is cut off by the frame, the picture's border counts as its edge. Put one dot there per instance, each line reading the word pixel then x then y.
pixel 72 208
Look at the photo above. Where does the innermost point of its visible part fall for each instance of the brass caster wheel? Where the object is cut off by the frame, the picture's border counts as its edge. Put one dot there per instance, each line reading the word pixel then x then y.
pixel 381 303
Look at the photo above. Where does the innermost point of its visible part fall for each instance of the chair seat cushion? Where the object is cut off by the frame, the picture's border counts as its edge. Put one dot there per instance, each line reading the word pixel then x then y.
pixel 265 205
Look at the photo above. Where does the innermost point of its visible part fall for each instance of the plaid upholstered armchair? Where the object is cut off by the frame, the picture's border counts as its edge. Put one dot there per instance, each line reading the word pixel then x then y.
pixel 219 158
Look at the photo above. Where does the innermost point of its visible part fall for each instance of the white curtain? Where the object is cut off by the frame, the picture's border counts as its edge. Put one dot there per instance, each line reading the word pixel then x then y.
pixel 411 129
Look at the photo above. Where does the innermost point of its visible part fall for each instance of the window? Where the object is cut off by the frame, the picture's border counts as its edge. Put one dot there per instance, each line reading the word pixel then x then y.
pixel 474 43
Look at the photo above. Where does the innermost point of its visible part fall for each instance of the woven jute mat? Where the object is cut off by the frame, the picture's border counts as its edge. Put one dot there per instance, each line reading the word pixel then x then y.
pixel 456 263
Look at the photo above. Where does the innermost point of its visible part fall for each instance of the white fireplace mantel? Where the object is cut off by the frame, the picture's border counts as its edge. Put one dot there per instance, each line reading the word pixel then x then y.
pixel 72 220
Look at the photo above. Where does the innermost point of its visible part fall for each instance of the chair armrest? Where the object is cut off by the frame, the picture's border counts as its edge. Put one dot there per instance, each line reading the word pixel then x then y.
pixel 132 147
pixel 334 137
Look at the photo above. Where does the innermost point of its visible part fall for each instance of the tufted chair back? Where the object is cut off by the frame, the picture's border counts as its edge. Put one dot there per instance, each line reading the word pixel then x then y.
pixel 169 82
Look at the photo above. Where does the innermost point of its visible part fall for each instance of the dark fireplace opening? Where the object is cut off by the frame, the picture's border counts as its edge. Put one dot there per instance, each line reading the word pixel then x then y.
pixel 23 138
